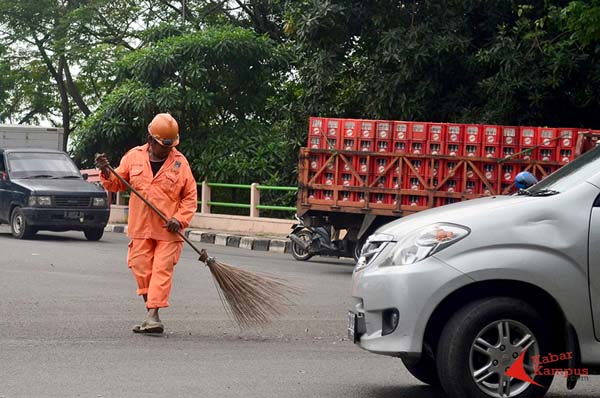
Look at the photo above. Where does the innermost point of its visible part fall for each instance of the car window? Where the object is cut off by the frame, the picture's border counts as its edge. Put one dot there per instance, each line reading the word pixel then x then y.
pixel 41 165
pixel 2 168
pixel 573 174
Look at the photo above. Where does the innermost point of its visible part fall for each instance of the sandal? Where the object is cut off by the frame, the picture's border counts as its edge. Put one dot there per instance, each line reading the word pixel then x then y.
pixel 146 327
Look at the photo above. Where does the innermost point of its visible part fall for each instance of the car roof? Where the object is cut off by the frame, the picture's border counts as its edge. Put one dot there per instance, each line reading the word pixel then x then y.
pixel 31 150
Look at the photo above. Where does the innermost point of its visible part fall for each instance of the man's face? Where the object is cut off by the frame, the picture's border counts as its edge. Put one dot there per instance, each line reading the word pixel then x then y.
pixel 159 151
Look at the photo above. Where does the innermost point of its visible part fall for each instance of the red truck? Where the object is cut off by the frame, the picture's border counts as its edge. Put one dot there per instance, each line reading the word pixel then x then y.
pixel 356 175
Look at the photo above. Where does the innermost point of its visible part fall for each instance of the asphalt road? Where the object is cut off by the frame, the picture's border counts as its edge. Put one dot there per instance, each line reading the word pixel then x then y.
pixel 67 307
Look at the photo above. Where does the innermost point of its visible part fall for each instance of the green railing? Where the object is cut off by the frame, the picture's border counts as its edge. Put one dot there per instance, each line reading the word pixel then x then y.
pixel 254 205
pixel 276 188
pixel 223 204
pixel 205 203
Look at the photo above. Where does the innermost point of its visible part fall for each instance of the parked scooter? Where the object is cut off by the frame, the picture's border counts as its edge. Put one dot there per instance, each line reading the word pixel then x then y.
pixel 323 240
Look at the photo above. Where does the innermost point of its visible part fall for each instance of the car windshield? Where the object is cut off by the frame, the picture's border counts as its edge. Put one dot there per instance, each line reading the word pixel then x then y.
pixel 573 174
pixel 41 165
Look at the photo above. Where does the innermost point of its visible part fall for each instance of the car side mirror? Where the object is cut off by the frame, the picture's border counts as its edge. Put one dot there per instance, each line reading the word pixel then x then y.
pixel 3 176
pixel 85 176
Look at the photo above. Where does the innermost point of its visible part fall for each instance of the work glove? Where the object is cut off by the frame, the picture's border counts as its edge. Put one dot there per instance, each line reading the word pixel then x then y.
pixel 173 225
pixel 101 162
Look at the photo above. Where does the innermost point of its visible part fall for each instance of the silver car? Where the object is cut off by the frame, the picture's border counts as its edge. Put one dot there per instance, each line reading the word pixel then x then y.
pixel 493 297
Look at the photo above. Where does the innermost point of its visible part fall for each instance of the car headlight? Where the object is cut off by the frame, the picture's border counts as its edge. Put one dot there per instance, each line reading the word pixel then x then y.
pixel 40 200
pixel 372 247
pixel 99 202
pixel 425 242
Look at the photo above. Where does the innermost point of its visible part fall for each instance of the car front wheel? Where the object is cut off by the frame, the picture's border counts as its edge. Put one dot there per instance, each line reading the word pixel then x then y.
pixel 19 227
pixel 423 369
pixel 482 341
pixel 93 234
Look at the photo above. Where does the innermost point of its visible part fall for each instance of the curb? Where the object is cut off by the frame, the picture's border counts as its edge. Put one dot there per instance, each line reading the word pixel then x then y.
pixel 273 245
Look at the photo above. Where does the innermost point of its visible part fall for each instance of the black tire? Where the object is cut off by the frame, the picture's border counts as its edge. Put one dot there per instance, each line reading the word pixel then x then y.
pixel 93 234
pixel 423 369
pixel 297 252
pixel 457 358
pixel 19 227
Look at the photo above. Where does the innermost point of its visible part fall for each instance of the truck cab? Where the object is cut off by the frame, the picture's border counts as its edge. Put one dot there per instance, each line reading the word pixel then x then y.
pixel 42 189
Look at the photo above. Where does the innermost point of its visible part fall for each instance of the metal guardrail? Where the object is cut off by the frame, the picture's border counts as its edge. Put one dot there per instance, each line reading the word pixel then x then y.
pixel 205 203
pixel 254 205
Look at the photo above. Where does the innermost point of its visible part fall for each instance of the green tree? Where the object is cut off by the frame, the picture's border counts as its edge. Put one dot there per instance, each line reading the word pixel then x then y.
pixel 218 83
pixel 513 62
pixel 544 68
pixel 77 43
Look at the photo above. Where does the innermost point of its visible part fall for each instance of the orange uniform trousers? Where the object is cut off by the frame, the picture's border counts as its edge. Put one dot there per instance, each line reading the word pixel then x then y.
pixel 152 262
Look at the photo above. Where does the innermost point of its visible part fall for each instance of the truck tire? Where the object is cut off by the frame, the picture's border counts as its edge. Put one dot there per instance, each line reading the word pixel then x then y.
pixel 94 234
pixel 423 369
pixel 481 342
pixel 299 253
pixel 18 225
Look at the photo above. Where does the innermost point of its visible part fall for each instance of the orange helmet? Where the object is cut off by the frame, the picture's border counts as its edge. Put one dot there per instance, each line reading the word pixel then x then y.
pixel 164 129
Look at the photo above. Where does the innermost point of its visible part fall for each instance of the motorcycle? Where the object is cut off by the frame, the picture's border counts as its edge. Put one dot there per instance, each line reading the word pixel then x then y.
pixel 323 240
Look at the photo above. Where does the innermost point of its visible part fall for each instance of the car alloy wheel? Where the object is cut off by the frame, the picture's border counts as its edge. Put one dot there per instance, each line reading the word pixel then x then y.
pixel 494 350
pixel 483 339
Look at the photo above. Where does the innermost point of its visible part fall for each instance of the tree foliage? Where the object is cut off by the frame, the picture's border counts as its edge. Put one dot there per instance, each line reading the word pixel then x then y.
pixel 243 76
pixel 512 62
pixel 216 83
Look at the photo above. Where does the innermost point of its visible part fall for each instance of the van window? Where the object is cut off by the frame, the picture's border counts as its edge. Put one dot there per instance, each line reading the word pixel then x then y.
pixel 2 168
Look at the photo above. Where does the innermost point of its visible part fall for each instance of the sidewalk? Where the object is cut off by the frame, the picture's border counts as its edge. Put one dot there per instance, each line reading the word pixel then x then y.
pixel 272 243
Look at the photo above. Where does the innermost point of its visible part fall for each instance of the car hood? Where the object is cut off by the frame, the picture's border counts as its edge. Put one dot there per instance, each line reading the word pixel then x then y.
pixel 468 213
pixel 50 186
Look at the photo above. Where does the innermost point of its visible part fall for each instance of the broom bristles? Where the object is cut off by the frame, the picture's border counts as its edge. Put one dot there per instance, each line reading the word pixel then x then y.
pixel 251 299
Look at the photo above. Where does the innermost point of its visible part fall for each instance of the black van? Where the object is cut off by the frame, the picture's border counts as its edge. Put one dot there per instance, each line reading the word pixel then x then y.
pixel 42 189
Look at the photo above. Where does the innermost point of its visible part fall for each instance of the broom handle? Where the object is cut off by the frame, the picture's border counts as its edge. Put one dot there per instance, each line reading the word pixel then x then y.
pixel 160 213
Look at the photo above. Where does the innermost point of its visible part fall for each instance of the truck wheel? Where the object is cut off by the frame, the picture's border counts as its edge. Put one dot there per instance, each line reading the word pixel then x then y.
pixel 423 369
pixel 93 234
pixel 483 340
pixel 298 252
pixel 18 225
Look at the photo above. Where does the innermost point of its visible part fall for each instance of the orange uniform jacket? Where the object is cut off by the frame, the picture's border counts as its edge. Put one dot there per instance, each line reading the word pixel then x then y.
pixel 173 191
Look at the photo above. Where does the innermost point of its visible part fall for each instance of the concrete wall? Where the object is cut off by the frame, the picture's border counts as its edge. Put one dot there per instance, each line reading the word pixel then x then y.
pixel 222 222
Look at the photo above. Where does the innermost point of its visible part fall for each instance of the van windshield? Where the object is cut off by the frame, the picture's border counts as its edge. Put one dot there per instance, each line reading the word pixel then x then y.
pixel 41 165
pixel 573 174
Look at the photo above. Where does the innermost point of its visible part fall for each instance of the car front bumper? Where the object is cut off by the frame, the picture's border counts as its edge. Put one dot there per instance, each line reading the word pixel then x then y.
pixel 55 219
pixel 414 290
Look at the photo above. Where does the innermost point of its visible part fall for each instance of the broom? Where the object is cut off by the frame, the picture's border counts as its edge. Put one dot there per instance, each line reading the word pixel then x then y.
pixel 251 299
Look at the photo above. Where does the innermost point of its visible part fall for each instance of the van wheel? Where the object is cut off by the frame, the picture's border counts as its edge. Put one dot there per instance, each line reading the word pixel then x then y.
pixel 483 340
pixel 94 234
pixel 423 369
pixel 18 225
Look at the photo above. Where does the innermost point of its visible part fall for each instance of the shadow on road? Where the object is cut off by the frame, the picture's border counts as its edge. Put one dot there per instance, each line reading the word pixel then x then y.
pixel 331 260
pixel 406 392
pixel 41 236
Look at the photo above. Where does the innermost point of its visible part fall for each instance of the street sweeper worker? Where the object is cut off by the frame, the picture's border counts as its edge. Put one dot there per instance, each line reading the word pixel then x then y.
pixel 160 173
